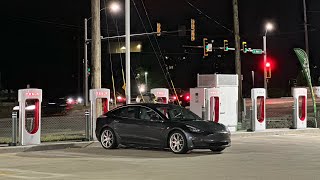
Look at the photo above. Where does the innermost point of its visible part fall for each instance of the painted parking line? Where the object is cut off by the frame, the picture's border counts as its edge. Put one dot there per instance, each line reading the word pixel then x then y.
pixel 28 174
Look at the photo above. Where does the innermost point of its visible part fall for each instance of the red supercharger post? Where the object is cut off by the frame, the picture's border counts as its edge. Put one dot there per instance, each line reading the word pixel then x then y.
pixel 95 94
pixel 213 104
pixel 258 114
pixel 162 93
pixel 29 116
pixel 299 108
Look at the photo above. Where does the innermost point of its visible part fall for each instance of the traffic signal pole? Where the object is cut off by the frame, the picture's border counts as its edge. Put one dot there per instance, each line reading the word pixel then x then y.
pixel 265 85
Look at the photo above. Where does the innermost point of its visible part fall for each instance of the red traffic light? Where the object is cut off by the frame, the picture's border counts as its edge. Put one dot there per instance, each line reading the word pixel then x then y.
pixel 268 64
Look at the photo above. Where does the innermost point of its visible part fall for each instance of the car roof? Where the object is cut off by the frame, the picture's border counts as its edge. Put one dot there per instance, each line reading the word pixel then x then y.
pixel 150 105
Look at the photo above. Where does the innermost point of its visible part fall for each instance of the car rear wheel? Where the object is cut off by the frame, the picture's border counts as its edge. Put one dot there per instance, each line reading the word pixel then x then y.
pixel 108 139
pixel 178 143
pixel 217 149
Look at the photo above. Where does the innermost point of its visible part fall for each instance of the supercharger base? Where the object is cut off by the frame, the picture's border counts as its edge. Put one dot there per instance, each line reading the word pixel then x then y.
pixel 161 93
pixel 299 110
pixel 94 95
pixel 29 116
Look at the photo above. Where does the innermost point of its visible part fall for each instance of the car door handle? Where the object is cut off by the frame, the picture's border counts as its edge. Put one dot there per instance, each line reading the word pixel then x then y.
pixel 116 121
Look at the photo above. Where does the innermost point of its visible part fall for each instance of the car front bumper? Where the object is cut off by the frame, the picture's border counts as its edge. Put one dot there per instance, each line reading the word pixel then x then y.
pixel 200 141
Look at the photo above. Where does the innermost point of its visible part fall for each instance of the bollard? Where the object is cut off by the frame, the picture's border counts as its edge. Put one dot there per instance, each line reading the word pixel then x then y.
pixel 87 114
pixel 14 129
pixel 203 110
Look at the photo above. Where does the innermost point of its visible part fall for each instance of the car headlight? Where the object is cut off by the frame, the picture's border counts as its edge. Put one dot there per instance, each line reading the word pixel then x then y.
pixel 193 129
pixel 227 129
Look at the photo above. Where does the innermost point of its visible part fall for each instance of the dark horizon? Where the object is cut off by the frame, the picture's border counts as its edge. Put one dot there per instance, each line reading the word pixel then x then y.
pixel 43 42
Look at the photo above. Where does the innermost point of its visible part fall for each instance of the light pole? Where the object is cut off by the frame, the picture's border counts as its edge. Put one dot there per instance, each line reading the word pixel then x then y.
pixel 268 27
pixel 146 79
pixel 127 30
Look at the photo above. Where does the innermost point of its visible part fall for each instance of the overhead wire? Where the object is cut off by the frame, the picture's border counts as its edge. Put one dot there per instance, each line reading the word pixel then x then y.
pixel 202 13
pixel 161 55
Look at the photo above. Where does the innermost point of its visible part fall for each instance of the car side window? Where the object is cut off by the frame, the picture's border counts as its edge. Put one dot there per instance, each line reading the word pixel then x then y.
pixel 126 112
pixel 148 114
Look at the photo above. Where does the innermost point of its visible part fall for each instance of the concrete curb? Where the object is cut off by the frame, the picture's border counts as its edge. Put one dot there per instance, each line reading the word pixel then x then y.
pixel 44 147
pixel 270 132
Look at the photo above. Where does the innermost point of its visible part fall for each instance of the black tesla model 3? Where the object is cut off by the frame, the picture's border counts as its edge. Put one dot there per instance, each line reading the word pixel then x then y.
pixel 160 125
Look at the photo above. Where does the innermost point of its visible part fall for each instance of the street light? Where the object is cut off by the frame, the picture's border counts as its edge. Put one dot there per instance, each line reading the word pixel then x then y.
pixel 268 27
pixel 114 7
pixel 146 79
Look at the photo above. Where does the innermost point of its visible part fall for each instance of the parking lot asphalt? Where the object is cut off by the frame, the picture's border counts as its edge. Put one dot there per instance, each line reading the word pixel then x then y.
pixel 290 156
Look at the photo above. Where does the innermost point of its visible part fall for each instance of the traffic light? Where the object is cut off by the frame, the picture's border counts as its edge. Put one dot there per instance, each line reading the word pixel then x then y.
pixel 193 30
pixel 158 29
pixel 244 47
pixel 88 71
pixel 268 69
pixel 225 45
pixel 205 44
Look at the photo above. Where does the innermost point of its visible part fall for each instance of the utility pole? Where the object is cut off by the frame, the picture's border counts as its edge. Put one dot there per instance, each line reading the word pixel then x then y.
pixel 306 37
pixel 127 29
pixel 85 64
pixel 96 50
pixel 237 56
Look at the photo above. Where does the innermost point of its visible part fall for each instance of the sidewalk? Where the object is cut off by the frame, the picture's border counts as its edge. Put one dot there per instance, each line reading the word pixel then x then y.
pixel 270 132
pixel 65 145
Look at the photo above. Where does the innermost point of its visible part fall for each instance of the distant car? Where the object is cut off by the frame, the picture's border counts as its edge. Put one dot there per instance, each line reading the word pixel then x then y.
pixel 182 98
pixel 160 125
pixel 120 98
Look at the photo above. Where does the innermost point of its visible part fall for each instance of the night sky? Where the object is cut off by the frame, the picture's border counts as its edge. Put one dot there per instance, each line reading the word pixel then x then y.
pixel 42 41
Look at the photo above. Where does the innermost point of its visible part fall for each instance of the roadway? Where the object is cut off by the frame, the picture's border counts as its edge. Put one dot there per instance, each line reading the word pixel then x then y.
pixel 285 157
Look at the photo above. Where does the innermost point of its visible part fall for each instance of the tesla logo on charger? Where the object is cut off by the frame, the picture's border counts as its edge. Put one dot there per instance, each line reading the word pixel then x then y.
pixel 161 93
pixel 214 93
pixel 32 94
pixel 99 94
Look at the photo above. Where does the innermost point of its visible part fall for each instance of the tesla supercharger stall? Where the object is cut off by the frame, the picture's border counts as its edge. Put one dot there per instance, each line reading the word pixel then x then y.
pixel 29 116
pixel 300 108
pixel 95 94
pixel 212 104
pixel 162 93
pixel 258 114
pixel 205 102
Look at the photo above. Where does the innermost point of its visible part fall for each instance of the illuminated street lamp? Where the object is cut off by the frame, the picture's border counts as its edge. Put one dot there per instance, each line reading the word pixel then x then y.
pixel 114 7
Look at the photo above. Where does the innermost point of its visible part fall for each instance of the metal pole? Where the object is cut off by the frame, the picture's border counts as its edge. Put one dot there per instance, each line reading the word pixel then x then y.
pixel 306 38
pixel 237 56
pixel 252 74
pixel 146 80
pixel 264 63
pixel 14 129
pixel 85 89
pixel 88 127
pixel 127 24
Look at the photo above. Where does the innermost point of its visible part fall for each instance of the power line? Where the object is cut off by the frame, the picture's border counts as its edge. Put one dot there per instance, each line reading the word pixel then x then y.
pixel 202 13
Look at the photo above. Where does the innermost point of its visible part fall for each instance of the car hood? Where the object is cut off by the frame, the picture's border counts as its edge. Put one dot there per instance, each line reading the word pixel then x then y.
pixel 207 126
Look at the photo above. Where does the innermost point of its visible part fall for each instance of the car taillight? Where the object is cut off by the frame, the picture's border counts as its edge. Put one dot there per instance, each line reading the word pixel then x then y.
pixel 187 97
pixel 174 97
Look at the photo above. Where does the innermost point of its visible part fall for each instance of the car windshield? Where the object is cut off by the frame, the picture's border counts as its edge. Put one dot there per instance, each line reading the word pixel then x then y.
pixel 178 113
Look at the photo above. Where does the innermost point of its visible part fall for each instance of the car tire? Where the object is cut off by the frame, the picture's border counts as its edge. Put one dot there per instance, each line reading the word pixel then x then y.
pixel 217 149
pixel 178 143
pixel 108 139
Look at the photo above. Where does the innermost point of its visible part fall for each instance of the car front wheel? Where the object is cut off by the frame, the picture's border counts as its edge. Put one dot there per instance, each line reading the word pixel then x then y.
pixel 178 142
pixel 108 139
